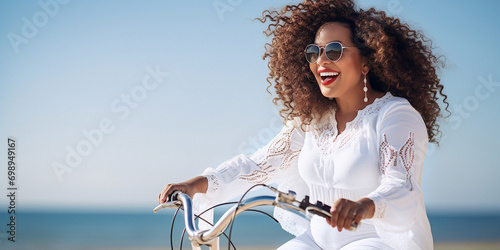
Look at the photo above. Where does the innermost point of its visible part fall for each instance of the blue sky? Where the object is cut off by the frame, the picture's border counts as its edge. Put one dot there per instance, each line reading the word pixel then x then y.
pixel 78 68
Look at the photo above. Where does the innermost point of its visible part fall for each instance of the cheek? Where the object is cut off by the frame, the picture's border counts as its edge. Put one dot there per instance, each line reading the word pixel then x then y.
pixel 350 67
pixel 354 63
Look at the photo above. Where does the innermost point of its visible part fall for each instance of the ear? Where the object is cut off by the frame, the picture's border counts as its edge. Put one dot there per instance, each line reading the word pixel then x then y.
pixel 365 69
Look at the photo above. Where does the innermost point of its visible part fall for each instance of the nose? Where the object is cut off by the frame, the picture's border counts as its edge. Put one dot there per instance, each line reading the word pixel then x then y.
pixel 322 60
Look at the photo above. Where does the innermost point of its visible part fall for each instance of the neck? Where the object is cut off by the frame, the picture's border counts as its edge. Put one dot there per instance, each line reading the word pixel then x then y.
pixel 352 104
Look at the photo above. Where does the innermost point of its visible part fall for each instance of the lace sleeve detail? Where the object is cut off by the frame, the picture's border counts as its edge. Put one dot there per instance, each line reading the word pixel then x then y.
pixel 270 164
pixel 277 155
pixel 213 184
pixel 275 163
pixel 380 206
pixel 395 167
pixel 389 156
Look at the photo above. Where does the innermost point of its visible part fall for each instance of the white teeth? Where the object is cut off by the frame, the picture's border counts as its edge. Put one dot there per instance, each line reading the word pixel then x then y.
pixel 329 74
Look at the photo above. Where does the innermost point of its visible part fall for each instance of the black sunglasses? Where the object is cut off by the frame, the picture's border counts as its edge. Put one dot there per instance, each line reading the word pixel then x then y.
pixel 333 51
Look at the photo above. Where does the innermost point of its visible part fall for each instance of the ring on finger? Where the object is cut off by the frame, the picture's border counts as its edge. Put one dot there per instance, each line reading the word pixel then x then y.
pixel 354 226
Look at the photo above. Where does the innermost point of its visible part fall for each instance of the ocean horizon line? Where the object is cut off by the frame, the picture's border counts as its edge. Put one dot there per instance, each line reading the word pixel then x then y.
pixel 269 209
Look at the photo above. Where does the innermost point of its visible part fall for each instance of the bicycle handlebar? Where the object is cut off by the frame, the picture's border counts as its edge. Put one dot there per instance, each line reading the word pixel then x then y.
pixel 283 200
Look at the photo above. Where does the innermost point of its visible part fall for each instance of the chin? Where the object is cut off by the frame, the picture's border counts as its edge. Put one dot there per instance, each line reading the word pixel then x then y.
pixel 327 94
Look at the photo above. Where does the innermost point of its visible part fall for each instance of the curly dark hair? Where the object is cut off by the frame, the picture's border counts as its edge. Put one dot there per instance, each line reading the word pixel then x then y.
pixel 400 59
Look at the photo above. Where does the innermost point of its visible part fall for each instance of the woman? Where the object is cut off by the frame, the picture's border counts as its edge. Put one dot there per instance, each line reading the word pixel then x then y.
pixel 359 111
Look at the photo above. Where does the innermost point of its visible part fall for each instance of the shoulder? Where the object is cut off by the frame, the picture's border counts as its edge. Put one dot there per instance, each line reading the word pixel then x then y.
pixel 395 107
pixel 397 114
pixel 295 122
pixel 395 102
pixel 389 107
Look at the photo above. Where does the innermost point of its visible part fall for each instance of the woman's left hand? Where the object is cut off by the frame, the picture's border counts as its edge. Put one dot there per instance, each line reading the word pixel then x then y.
pixel 345 212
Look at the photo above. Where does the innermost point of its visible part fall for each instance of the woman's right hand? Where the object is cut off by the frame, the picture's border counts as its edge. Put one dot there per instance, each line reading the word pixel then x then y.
pixel 190 187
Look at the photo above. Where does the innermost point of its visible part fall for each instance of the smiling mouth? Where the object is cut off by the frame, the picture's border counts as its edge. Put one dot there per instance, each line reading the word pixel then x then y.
pixel 328 77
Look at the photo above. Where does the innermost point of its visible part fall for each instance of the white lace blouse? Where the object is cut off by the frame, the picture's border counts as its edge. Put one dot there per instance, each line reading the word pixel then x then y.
pixel 379 155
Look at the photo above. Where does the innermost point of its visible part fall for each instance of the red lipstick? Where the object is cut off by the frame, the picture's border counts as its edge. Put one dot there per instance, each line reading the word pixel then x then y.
pixel 328 76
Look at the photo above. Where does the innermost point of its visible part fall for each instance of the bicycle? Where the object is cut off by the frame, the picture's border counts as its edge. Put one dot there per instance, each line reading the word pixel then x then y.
pixel 211 236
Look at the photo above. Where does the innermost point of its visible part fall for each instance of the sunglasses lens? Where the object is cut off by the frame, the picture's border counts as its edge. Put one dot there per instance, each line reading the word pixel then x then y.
pixel 333 51
pixel 312 53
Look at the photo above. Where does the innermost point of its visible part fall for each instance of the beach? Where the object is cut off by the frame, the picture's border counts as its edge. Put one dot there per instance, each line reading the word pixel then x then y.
pixel 468 246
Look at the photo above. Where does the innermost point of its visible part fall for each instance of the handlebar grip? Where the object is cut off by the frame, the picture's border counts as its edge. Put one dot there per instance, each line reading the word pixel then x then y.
pixel 323 210
pixel 320 209
pixel 172 201
pixel 173 196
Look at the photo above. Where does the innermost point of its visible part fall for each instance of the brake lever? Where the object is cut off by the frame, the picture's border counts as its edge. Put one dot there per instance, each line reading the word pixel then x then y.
pixel 320 209
pixel 172 202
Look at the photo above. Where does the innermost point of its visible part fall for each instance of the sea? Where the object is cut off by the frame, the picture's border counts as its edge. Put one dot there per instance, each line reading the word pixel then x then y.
pixel 147 230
